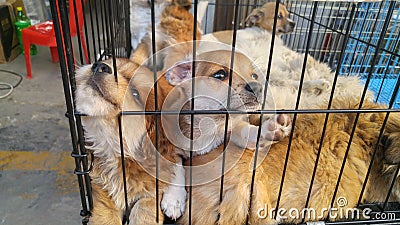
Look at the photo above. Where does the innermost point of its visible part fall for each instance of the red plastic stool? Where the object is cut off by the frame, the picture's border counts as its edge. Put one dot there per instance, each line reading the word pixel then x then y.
pixel 43 34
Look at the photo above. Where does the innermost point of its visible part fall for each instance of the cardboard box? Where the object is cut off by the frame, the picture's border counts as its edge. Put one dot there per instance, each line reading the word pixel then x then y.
pixel 9 45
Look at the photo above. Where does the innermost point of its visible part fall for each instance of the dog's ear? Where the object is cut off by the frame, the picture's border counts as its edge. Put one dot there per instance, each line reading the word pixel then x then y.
pixel 254 17
pixel 287 4
pixel 179 73
pixel 184 3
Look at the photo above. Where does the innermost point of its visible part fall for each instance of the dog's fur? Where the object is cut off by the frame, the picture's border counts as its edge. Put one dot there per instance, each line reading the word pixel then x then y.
pixel 140 16
pixel 307 136
pixel 176 25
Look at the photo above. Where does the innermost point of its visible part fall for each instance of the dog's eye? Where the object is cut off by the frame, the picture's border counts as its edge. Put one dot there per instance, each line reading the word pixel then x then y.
pixel 254 76
pixel 280 16
pixel 135 93
pixel 220 75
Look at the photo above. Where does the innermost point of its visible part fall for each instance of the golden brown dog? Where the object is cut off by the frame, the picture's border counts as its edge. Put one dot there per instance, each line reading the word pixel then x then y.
pixel 99 96
pixel 206 205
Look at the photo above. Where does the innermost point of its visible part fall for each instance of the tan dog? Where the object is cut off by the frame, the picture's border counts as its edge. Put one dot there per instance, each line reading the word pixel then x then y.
pixel 176 25
pixel 99 96
pixel 211 90
pixel 206 205
pixel 263 17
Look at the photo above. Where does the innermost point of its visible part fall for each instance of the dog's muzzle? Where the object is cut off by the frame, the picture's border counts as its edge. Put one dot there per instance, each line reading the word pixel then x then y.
pixel 289 27
pixel 100 68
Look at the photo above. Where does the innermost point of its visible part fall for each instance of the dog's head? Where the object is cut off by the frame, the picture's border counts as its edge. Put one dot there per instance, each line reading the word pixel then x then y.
pixel 100 93
pixel 101 97
pixel 211 83
pixel 187 4
pixel 264 18
pixel 211 90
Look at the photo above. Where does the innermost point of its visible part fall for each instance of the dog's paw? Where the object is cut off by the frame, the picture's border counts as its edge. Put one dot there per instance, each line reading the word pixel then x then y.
pixel 324 85
pixel 173 202
pixel 317 87
pixel 276 128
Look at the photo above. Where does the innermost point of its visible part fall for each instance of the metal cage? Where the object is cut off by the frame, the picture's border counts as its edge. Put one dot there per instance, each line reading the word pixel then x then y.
pixel 355 38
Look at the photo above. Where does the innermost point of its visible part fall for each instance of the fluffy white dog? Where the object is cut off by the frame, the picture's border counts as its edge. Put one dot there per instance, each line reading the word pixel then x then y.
pixel 287 65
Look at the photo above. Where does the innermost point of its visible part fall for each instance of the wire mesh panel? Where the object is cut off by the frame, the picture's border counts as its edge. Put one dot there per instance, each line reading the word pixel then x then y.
pixel 329 28
pixel 106 29
pixel 327 149
pixel 359 50
pixel 332 18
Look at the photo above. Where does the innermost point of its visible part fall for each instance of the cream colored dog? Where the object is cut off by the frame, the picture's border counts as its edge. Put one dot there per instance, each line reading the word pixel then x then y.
pixel 286 66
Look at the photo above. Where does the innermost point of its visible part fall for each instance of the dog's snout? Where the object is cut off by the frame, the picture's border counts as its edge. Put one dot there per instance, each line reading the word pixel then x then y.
pixel 292 24
pixel 253 87
pixel 100 67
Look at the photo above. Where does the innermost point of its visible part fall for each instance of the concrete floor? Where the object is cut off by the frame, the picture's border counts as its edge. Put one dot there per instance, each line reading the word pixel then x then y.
pixel 37 184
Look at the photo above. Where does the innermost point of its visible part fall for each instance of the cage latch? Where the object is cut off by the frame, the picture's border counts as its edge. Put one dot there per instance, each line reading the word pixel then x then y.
pixel 82 156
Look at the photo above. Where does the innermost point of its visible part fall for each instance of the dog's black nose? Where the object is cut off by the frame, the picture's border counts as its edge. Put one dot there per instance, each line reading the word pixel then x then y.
pixel 253 87
pixel 100 67
pixel 292 24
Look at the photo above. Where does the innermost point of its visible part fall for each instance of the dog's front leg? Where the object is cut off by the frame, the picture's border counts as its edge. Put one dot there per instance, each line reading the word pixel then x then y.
pixel 144 212
pixel 104 212
pixel 174 198
pixel 243 133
